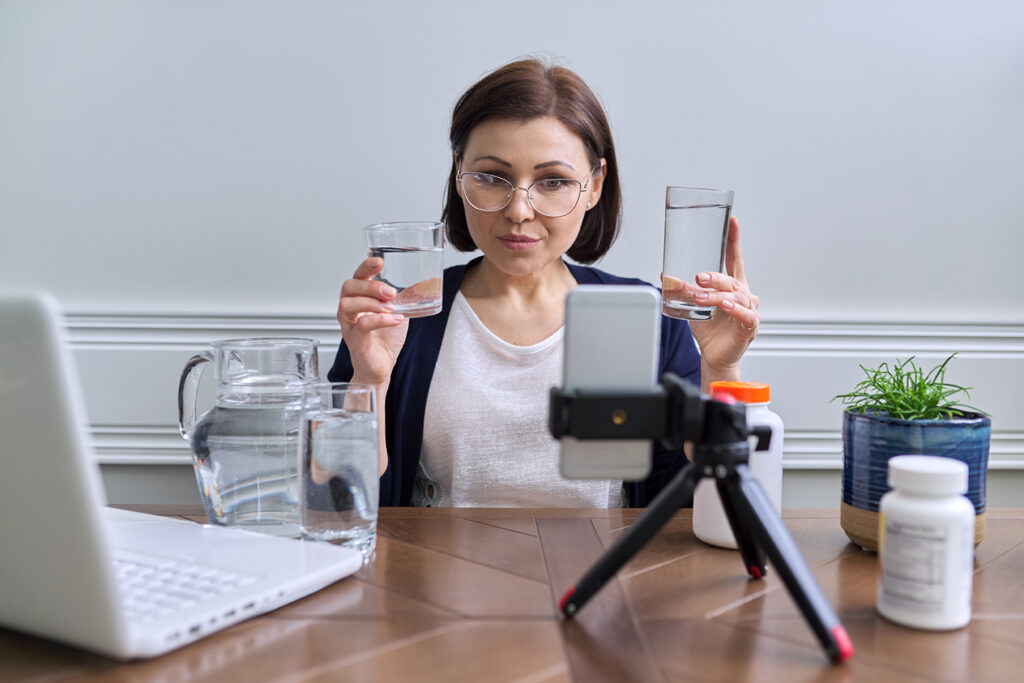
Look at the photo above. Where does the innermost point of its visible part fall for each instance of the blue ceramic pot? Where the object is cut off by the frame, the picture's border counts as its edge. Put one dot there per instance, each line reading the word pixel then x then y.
pixel 870 439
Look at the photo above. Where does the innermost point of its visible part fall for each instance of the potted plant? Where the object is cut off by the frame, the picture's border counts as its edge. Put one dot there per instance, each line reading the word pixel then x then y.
pixel 899 410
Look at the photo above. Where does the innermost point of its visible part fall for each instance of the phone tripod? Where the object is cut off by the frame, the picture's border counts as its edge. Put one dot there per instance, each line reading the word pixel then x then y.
pixel 677 413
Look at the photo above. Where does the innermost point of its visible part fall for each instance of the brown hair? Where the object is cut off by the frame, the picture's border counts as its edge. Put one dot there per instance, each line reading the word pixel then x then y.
pixel 525 90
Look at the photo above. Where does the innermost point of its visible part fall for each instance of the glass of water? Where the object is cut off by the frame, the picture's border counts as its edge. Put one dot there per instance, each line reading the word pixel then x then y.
pixel 413 256
pixel 339 479
pixel 696 229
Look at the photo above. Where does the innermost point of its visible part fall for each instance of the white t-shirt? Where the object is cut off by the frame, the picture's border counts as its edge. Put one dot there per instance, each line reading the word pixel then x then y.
pixel 485 430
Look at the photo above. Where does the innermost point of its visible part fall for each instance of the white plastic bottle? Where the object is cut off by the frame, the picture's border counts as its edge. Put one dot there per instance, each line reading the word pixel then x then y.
pixel 709 521
pixel 926 544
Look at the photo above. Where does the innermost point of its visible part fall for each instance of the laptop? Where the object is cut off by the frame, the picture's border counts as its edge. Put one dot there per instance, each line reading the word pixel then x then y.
pixel 77 572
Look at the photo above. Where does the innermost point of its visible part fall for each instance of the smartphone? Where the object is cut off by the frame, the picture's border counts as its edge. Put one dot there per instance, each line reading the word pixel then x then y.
pixel 612 340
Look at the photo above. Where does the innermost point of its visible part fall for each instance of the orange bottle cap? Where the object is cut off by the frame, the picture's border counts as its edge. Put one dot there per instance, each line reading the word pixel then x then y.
pixel 745 392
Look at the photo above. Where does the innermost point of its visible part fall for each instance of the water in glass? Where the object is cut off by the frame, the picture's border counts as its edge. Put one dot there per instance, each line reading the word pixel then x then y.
pixel 340 481
pixel 413 271
pixel 695 238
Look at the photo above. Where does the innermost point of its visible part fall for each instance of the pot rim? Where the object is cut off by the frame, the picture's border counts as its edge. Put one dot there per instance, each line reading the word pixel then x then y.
pixel 968 418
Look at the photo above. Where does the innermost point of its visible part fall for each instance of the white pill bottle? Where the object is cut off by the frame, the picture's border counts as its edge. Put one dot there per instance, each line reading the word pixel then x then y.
pixel 709 521
pixel 926 544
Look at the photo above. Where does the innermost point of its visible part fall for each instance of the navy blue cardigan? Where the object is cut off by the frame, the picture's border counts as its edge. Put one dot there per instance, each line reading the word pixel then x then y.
pixel 406 399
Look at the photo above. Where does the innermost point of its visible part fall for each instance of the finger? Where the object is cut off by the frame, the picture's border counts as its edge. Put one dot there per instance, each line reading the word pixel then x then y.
pixel 720 282
pixel 727 298
pixel 746 317
pixel 717 284
pixel 733 256
pixel 368 268
pixel 711 297
pixel 744 299
pixel 673 289
pixel 368 322
pixel 669 283
pixel 367 288
pixel 351 309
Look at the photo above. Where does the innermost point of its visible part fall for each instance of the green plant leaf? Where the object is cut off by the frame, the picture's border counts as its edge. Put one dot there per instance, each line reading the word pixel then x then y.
pixel 906 392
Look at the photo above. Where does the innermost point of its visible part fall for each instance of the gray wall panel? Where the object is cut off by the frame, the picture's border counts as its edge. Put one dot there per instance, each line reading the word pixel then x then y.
pixel 178 172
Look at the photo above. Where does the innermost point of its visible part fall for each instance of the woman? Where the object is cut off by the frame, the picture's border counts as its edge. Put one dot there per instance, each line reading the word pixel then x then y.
pixel 464 393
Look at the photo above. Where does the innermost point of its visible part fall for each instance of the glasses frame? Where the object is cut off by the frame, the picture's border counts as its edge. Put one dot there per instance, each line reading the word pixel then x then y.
pixel 529 197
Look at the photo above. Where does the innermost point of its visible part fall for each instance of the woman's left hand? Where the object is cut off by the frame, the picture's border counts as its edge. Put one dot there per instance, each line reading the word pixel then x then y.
pixel 725 337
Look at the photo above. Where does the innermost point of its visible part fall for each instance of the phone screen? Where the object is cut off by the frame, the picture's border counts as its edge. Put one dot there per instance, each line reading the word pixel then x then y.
pixel 612 335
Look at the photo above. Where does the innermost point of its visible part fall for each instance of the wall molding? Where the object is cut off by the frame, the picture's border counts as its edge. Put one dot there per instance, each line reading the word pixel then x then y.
pixel 804 450
pixel 993 349
pixel 122 329
pixel 782 334
pixel 134 445
pixel 813 450
pixel 1002 338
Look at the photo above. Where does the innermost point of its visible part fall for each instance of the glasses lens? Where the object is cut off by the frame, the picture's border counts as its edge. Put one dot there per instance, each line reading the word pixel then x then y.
pixel 486 192
pixel 555 196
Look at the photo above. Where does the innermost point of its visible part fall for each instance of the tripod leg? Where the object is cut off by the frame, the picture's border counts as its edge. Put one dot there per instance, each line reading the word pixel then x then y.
pixel 752 553
pixel 678 493
pixel 756 512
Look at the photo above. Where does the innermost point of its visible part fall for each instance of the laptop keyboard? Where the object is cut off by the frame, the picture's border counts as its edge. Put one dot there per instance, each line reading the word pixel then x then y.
pixel 155 587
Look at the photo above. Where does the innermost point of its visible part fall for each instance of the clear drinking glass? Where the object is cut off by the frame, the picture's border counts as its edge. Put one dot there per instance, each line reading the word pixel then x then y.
pixel 339 480
pixel 413 256
pixel 696 228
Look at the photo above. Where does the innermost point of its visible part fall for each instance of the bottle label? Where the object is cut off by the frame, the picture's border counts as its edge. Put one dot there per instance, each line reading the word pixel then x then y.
pixel 926 568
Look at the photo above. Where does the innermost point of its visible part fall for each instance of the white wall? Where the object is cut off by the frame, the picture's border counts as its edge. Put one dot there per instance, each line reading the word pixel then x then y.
pixel 178 172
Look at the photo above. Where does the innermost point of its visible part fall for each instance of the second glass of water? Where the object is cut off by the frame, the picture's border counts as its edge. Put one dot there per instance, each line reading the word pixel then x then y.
pixel 413 254
pixel 696 229
pixel 339 477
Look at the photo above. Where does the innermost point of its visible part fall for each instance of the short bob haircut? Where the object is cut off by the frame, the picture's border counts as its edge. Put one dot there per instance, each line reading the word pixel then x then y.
pixel 525 90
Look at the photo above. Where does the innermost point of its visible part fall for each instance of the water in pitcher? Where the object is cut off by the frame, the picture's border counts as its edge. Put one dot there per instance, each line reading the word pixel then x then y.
pixel 414 272
pixel 245 462
pixel 695 238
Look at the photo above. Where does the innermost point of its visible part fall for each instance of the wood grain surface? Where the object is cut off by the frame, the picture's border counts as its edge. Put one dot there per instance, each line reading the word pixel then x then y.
pixel 472 594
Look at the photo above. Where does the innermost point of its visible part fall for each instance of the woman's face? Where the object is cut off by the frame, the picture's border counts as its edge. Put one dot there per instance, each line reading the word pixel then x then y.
pixel 517 239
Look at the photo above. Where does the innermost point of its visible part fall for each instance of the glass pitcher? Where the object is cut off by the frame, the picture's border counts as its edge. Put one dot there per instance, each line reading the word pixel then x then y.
pixel 245 448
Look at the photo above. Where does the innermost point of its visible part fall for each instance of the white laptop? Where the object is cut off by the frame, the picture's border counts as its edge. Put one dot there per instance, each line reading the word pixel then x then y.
pixel 77 572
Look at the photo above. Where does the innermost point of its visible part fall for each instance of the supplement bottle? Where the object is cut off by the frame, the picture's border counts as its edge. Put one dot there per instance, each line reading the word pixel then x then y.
pixel 926 544
pixel 709 521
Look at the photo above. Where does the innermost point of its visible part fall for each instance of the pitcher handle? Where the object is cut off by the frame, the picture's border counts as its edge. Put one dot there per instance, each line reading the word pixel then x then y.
pixel 190 365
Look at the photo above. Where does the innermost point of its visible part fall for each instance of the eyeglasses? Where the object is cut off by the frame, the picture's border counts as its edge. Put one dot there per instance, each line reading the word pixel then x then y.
pixel 551 197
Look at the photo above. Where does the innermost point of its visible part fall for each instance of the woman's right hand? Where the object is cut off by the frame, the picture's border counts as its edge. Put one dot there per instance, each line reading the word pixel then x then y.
pixel 373 334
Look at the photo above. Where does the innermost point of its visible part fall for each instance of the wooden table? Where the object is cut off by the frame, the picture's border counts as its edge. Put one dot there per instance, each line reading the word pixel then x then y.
pixel 470 595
